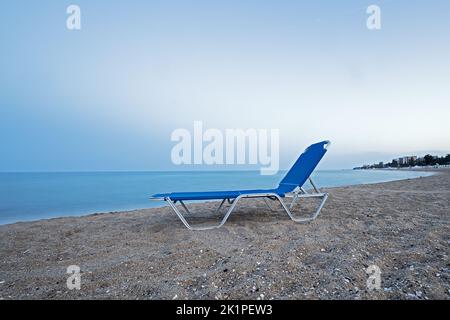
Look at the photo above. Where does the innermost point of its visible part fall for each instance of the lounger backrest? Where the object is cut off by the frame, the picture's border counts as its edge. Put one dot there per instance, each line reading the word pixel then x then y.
pixel 303 167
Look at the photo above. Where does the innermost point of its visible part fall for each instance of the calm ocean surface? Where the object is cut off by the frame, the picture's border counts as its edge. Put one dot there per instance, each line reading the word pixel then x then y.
pixel 34 196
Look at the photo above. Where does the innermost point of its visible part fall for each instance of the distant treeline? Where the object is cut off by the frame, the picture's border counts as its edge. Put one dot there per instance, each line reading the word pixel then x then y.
pixel 412 161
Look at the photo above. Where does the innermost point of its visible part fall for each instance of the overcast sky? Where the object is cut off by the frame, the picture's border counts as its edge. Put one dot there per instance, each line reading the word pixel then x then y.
pixel 107 97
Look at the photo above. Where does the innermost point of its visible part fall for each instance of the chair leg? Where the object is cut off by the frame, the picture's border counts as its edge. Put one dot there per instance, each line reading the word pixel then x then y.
pixel 187 225
pixel 184 207
pixel 324 197
pixel 293 201
pixel 189 212
pixel 268 205
pixel 220 206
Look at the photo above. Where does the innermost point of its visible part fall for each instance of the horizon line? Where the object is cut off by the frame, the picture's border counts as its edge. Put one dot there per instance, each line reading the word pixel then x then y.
pixel 150 171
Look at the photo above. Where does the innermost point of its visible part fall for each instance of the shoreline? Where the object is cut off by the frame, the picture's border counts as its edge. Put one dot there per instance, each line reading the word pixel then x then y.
pixel 415 169
pixel 402 226
pixel 163 204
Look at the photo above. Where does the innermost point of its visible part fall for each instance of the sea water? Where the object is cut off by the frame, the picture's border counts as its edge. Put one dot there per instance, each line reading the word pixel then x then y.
pixel 34 196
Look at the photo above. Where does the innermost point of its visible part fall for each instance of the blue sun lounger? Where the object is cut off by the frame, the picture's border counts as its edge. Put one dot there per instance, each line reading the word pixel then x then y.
pixel 290 187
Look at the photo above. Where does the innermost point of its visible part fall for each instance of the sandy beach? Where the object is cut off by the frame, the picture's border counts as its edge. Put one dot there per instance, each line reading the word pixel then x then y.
pixel 403 227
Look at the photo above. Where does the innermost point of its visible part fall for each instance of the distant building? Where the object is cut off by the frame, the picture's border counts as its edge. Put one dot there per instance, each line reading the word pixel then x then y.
pixel 410 161
pixel 404 161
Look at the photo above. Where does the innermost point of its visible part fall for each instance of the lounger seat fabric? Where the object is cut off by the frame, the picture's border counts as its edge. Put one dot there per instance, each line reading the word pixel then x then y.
pixel 213 195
